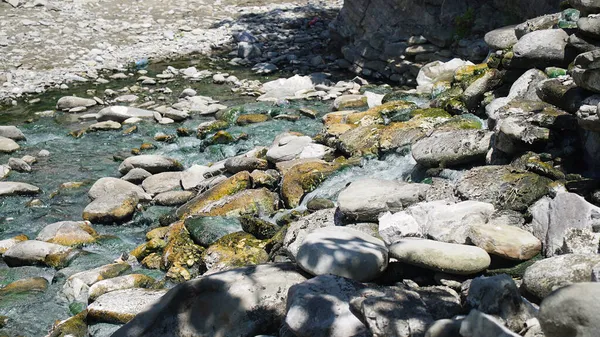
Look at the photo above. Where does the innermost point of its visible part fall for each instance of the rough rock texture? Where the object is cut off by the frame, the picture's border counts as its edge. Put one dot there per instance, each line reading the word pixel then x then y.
pixel 373 32
pixel 241 302
pixel 452 148
pixel 121 306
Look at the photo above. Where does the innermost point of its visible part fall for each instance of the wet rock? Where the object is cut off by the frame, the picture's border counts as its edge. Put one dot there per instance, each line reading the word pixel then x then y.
pixel 105 126
pixel 542 48
pixel 12 132
pixel 68 233
pixel 8 145
pixel 18 165
pixel 136 176
pixel 151 163
pixel 302 176
pixel 111 209
pixel 503 186
pixel 246 301
pixel 75 326
pixel 553 218
pixel 525 86
pixel 232 251
pixel 509 242
pixel 499 296
pixel 366 199
pixel 121 306
pixel 28 285
pixel 344 252
pixel 8 188
pixel 452 148
pixel 120 283
pixel 8 243
pixel 237 164
pixel 248 202
pixel 162 182
pixel 207 230
pixel 582 301
pixel 69 102
pixel 33 252
pixel 109 186
pixel 236 183
pixel 547 275
pixel 76 288
pixel 318 204
pixel 122 113
pixel 251 119
pixel 173 198
pixel 440 256
pixel 288 147
pixel 261 229
pixel 320 307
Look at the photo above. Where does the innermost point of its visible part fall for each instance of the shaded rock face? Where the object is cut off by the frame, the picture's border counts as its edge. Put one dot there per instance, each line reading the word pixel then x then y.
pixel 372 32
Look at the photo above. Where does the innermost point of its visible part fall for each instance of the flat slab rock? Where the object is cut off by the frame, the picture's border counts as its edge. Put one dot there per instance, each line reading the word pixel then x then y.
pixel 33 252
pixel 121 306
pixel 16 188
pixel 344 252
pixel 440 256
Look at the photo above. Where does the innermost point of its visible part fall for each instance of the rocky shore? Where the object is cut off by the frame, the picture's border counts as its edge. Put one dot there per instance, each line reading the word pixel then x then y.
pixel 263 191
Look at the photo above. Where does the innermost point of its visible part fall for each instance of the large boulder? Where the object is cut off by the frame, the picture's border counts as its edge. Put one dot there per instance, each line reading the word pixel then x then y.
pixel 8 188
pixel 151 163
pixel 33 252
pixel 12 132
pixel 554 218
pixel 450 148
pixel 344 252
pixel 68 233
pixel 162 182
pixel 298 230
pixel 302 176
pixel 366 199
pixel 506 241
pixel 111 209
pixel 547 275
pixel 541 48
pixel 586 72
pixel 121 113
pixel 241 302
pixel 109 186
pixel 571 311
pixel 440 256
pixel 69 102
pixel 254 202
pixel 503 186
pixel 320 307
pixel 8 145
pixel 586 6
pixel 121 306
pixel 206 230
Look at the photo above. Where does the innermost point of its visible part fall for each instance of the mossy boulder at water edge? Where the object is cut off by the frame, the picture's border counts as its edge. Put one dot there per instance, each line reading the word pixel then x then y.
pixel 68 233
pixel 206 230
pixel 504 186
pixel 181 257
pixel 248 202
pixel 303 176
pixel 209 127
pixel 260 228
pixel 238 182
pixel 75 326
pixel 234 250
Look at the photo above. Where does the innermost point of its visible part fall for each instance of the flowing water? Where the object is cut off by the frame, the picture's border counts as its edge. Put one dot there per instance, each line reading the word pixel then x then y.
pixel 90 157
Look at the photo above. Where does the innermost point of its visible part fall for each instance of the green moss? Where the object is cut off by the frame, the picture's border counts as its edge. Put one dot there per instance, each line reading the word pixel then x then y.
pixel 430 113
pixel 230 115
pixel 235 250
pixel 463 24
pixel 206 128
pixel 462 122
pixel 261 229
pixel 516 271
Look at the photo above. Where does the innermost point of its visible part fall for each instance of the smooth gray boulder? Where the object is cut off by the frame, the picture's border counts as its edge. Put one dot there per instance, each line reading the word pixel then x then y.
pixel 571 311
pixel 344 252
pixel 541 48
pixel 586 71
pixel 366 199
pixel 121 113
pixel 238 164
pixel 545 276
pixel 18 165
pixel 240 302
pixel 162 182
pixel 589 26
pixel 8 145
pixel 206 230
pixel 509 242
pixel 70 102
pixel 110 209
pixel 109 186
pixel 8 188
pixel 440 256
pixel 12 132
pixel 121 306
pixel 501 38
pixel 173 198
pixel 298 230
pixel 320 307
pixel 136 176
pixel 450 148
pixel 33 252
pixel 151 163
pixel 553 218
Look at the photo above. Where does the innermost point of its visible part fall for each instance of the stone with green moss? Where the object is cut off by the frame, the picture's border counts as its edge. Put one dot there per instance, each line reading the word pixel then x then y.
pixel 119 283
pixel 75 326
pixel 318 204
pixel 68 233
pixel 230 115
pixel 206 128
pixel 221 137
pixel 121 306
pixel 233 251
pixel 259 228
pixel 181 251
pixel 268 178
pixel 28 285
pixel 470 73
pixel 462 122
pixel 248 202
pixel 360 141
pixel 533 162
pixel 347 102
pixel 206 230
pixel 506 187
pixel 430 113
pixel 251 119
pixel 238 182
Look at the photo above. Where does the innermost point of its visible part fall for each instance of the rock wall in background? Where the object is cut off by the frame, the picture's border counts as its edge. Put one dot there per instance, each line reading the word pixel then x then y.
pixel 392 38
